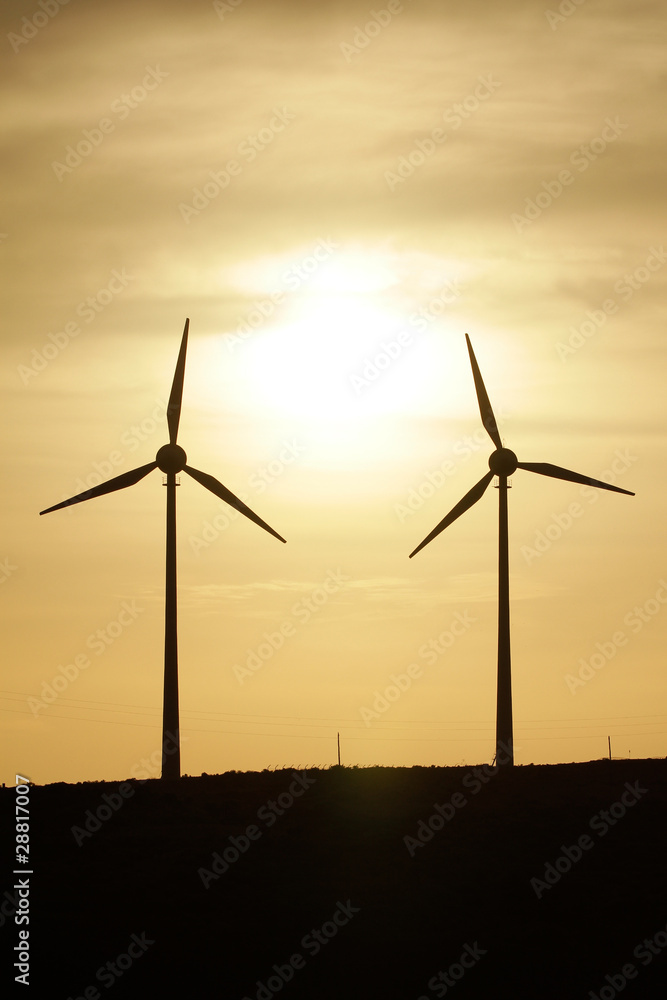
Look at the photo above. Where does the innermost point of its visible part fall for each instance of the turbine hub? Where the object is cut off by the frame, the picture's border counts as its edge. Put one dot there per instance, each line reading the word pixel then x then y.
pixel 503 462
pixel 171 458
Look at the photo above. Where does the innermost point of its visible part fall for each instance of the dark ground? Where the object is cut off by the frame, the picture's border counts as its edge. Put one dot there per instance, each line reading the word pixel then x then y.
pixel 404 918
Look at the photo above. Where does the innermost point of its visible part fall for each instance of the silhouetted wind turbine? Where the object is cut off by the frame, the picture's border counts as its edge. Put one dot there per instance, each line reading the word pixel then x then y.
pixel 171 459
pixel 502 463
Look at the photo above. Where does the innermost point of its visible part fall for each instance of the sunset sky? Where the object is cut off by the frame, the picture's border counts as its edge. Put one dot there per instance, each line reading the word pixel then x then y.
pixel 334 195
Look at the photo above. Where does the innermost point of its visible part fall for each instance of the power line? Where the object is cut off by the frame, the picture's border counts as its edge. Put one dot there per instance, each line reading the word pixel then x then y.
pixel 388 724
pixel 313 736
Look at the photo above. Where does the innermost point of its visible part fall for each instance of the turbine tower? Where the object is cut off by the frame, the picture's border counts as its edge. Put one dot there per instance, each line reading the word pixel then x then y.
pixel 170 459
pixel 502 463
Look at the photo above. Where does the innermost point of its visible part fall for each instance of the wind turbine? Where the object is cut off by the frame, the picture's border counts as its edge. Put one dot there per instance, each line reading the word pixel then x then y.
pixel 502 463
pixel 170 459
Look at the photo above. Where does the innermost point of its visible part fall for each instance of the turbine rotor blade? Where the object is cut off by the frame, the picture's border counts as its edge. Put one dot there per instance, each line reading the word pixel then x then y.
pixel 462 506
pixel 221 491
pixel 488 418
pixel 174 406
pixel 111 485
pixel 555 472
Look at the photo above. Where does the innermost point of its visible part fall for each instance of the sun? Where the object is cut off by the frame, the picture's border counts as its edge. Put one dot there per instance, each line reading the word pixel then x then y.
pixel 355 342
pixel 334 360
pixel 366 345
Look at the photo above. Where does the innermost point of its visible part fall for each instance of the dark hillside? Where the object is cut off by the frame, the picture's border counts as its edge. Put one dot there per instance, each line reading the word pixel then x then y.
pixel 539 883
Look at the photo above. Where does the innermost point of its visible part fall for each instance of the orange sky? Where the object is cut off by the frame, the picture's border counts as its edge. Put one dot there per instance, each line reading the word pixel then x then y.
pixel 334 198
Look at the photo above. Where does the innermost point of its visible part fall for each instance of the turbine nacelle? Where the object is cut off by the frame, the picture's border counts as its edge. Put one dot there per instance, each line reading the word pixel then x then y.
pixel 502 462
pixel 171 458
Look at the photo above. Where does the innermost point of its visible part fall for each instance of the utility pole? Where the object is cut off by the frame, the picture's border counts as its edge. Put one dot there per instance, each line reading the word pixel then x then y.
pixel 339 749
